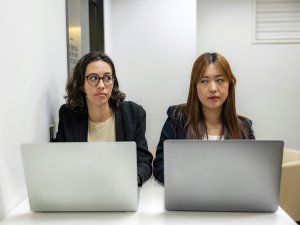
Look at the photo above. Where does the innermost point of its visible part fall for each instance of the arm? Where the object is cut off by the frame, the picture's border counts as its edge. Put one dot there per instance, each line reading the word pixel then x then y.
pixel 248 126
pixel 144 157
pixel 250 131
pixel 60 137
pixel 168 132
pixel 72 126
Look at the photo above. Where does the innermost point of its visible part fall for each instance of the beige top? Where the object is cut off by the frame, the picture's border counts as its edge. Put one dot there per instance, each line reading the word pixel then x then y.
pixel 214 137
pixel 104 131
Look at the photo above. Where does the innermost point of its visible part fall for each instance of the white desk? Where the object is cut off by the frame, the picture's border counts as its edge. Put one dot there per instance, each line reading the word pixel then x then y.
pixel 151 211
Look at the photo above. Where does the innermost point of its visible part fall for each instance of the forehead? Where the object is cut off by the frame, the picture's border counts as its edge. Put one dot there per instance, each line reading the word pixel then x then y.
pixel 211 71
pixel 98 67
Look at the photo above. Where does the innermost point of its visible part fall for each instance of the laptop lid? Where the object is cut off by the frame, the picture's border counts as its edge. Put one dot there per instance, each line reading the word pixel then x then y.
pixel 228 175
pixel 90 176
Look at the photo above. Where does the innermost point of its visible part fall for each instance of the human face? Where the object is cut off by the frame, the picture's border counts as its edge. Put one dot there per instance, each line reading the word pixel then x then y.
pixel 212 89
pixel 97 95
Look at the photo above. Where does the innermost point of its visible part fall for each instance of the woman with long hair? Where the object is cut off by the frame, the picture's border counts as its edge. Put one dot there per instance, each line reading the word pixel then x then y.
pixel 95 110
pixel 210 111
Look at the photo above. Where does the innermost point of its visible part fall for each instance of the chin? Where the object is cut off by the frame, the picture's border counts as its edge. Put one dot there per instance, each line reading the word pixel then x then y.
pixel 213 107
pixel 99 103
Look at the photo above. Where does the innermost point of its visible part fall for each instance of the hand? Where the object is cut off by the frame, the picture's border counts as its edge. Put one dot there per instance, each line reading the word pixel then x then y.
pixel 139 180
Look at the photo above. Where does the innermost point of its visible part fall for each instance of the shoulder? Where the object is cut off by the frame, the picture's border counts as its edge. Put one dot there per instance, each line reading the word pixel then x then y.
pixel 175 111
pixel 66 110
pixel 130 107
pixel 247 123
pixel 176 114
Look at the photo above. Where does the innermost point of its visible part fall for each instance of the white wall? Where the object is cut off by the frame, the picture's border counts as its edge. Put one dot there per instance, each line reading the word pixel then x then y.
pixel 153 46
pixel 267 74
pixel 33 74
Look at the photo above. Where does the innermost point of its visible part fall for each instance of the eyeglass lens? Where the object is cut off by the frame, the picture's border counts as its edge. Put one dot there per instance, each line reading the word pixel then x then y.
pixel 95 79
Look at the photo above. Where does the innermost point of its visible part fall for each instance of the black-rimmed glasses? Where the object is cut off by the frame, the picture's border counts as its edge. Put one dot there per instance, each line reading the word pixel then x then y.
pixel 94 79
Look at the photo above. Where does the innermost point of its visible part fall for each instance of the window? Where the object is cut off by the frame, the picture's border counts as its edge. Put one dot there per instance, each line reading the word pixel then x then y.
pixel 276 21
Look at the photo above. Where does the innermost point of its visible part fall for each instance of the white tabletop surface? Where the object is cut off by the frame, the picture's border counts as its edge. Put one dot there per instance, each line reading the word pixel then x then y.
pixel 151 211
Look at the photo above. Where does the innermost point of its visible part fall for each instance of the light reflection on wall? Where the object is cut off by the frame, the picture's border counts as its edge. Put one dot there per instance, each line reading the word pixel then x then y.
pixel 74 46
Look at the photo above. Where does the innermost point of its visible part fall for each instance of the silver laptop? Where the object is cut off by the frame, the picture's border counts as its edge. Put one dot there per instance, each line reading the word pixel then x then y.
pixel 98 176
pixel 229 175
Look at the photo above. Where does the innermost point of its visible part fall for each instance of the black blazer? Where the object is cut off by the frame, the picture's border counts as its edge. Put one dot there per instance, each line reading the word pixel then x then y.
pixel 174 129
pixel 130 121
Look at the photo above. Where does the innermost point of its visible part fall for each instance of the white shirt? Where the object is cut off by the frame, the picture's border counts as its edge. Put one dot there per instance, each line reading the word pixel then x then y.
pixel 214 137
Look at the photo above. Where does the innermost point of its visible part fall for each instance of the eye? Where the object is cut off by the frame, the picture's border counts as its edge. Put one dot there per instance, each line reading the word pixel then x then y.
pixel 220 80
pixel 203 81
pixel 107 78
pixel 93 78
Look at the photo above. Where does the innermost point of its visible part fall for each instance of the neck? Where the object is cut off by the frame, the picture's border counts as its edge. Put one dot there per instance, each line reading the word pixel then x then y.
pixel 212 116
pixel 213 121
pixel 98 114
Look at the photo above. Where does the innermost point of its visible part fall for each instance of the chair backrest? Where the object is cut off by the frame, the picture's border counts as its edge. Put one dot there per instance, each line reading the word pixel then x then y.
pixel 290 155
pixel 289 198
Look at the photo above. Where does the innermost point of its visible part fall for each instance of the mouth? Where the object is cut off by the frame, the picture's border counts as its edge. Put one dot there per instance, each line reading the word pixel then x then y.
pixel 213 98
pixel 100 94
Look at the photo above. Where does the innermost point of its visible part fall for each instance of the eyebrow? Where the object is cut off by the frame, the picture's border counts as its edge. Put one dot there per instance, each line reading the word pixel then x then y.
pixel 217 76
pixel 105 73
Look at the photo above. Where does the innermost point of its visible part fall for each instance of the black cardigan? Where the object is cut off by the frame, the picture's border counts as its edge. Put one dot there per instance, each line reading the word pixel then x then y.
pixel 174 129
pixel 130 121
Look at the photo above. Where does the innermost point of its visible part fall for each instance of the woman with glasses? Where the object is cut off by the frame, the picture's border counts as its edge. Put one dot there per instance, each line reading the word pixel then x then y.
pixel 210 111
pixel 95 110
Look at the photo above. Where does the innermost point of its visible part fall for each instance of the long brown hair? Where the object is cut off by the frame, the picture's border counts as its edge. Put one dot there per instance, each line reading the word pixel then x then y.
pixel 75 86
pixel 195 126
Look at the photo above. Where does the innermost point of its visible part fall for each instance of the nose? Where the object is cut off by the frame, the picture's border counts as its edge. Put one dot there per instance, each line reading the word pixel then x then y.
pixel 101 84
pixel 213 87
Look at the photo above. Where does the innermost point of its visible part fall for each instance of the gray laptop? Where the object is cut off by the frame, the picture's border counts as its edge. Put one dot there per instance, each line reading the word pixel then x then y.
pixel 98 176
pixel 229 175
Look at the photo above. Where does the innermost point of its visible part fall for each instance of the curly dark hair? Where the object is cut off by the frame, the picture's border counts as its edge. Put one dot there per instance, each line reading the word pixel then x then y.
pixel 75 97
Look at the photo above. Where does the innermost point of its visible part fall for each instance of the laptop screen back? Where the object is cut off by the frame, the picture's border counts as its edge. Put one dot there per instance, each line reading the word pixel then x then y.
pixel 229 175
pixel 98 176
